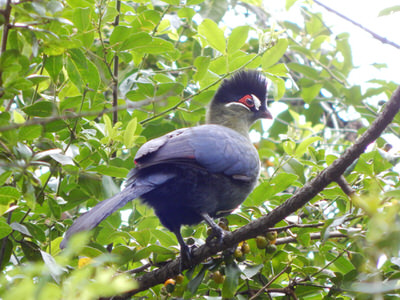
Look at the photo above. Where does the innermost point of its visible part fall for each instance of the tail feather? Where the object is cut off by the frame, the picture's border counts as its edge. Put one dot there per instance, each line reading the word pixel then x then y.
pixel 92 218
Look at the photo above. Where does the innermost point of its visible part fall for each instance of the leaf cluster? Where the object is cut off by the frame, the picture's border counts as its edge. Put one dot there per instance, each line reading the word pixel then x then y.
pixel 67 141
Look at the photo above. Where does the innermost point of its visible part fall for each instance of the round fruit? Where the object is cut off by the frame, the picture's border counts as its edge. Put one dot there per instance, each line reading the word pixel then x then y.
pixel 238 252
pixel 261 242
pixel 245 248
pixel 271 236
pixel 270 248
pixel 179 278
pixel 169 285
pixel 218 277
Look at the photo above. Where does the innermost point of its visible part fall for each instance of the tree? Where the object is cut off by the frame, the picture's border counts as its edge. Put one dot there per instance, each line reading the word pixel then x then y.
pixel 85 83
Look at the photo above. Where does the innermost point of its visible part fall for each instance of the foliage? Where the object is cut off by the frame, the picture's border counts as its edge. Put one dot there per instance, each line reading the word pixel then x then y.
pixel 62 142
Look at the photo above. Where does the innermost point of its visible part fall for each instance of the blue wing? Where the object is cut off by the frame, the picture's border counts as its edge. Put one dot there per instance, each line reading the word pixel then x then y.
pixel 216 148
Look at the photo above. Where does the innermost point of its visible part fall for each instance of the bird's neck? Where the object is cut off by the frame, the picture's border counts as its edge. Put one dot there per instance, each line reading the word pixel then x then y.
pixel 233 120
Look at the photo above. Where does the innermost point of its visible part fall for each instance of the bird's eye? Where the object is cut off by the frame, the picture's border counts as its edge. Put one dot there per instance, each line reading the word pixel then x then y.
pixel 247 100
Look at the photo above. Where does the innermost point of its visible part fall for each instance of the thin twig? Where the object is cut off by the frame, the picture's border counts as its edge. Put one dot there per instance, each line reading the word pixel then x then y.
pixel 374 35
pixel 115 72
pixel 72 116
pixel 313 236
pixel 270 282
pixel 345 186
pixel 4 241
pixel 6 26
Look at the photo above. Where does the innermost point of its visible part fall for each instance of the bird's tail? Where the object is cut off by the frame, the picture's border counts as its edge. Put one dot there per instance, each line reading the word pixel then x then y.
pixel 92 218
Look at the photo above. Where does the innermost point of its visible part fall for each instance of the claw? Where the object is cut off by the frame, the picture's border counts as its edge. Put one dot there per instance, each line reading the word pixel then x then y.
pixel 186 258
pixel 186 253
pixel 217 236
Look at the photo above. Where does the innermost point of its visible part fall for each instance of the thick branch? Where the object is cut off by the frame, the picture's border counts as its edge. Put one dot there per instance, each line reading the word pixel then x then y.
pixel 299 199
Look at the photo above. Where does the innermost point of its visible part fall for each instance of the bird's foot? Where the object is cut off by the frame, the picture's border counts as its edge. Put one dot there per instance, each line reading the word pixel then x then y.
pixel 186 257
pixel 216 237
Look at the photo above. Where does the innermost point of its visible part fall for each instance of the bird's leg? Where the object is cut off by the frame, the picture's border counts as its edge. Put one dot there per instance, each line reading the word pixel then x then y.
pixel 186 254
pixel 217 232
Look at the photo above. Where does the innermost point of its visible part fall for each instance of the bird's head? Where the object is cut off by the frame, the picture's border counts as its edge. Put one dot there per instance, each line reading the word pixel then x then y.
pixel 240 101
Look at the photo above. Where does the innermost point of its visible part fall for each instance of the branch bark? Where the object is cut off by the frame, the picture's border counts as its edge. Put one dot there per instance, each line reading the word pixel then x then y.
pixel 299 199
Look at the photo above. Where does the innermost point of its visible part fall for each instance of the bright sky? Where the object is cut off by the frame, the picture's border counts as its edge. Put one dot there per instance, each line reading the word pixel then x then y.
pixel 366 49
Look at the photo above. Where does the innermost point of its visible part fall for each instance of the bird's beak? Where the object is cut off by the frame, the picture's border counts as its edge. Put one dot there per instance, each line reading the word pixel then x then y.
pixel 264 114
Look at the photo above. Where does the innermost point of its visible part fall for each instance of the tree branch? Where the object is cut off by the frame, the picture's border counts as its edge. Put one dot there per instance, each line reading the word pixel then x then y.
pixel 116 67
pixel 6 26
pixel 299 199
pixel 374 35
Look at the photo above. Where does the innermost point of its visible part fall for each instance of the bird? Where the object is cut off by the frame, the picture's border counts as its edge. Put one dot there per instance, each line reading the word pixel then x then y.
pixel 197 173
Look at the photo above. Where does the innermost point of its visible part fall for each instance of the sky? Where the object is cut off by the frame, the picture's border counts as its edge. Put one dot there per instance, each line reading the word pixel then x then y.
pixel 366 49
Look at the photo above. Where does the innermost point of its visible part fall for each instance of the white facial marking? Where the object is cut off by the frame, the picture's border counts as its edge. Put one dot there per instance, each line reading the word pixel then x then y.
pixel 237 103
pixel 257 102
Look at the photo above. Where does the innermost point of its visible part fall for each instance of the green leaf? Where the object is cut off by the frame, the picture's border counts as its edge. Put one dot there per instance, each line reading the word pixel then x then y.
pixel 108 125
pixel 4 176
pixel 201 63
pixel 279 87
pixel 269 188
pixel 305 70
pixel 197 280
pixel 82 71
pixel 389 10
pixel 31 250
pixel 302 147
pixel 289 147
pixel 146 252
pixel 62 159
pixel 232 273
pixel 273 55
pixel 20 228
pixel 55 269
pixel 120 34
pixel 55 126
pixel 129 134
pixel 40 109
pixel 36 79
pixel 213 9
pixel 81 18
pixel 53 66
pixel 343 264
pixel 237 38
pixel 295 167
pixel 213 35
pixel 30 133
pixel 18 118
pixel 309 93
pixel 239 59
pixel 137 41
pixel 278 70
pixel 186 12
pixel 5 229
pixel 111 171
pixel 8 194
pixel 172 2
pixel 289 4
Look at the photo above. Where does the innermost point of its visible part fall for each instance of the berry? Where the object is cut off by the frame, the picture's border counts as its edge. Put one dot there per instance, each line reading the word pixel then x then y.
pixel 218 277
pixel 270 248
pixel 261 242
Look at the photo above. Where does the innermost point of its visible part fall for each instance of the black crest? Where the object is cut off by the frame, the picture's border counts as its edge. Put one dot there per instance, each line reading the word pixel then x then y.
pixel 240 84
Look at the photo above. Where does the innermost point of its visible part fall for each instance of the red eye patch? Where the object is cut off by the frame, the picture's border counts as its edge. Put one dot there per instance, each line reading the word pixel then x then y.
pixel 247 101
